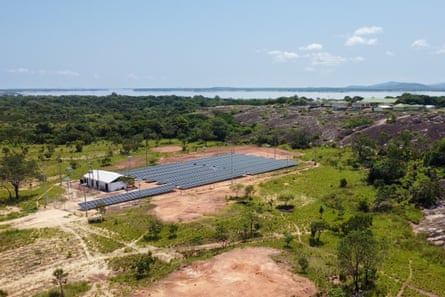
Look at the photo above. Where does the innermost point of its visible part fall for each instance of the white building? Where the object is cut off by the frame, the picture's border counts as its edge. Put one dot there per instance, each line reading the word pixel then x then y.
pixel 103 180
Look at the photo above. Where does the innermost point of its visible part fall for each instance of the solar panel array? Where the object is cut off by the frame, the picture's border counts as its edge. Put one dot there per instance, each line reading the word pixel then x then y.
pixel 194 173
pixel 134 195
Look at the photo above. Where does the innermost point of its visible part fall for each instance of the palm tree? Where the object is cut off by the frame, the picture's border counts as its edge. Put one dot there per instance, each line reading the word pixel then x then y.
pixel 60 278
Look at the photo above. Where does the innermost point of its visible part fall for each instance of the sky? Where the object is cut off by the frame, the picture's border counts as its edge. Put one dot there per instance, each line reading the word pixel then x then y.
pixel 219 43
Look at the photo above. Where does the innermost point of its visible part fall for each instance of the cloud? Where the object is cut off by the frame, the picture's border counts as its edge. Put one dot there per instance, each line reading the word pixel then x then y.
pixel 312 47
pixel 283 56
pixel 368 30
pixel 359 39
pixel 68 73
pixel 420 43
pixel 19 70
pixel 327 59
pixel 441 51
pixel 390 53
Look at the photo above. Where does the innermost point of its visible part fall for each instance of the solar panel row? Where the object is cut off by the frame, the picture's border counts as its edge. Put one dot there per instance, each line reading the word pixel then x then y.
pixel 194 173
pixel 138 194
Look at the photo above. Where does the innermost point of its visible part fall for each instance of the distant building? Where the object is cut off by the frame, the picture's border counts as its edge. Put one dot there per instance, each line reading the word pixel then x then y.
pixel 103 180
pixel 408 107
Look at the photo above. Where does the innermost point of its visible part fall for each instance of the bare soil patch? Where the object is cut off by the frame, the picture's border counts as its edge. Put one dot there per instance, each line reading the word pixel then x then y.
pixel 241 272
pixel 167 149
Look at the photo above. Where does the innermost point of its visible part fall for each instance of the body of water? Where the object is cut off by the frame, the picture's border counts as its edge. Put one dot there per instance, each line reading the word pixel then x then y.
pixel 235 94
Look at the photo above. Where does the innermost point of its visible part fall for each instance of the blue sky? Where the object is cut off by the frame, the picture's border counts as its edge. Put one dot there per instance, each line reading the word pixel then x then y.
pixel 197 43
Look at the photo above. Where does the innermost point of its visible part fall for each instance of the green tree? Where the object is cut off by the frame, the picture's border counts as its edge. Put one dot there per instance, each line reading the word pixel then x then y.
pixel 3 293
pixel 358 222
pixel 317 228
pixel 154 228
pixel 222 234
pixel 288 237
pixel 248 191
pixel 172 231
pixel 358 255
pixel 60 279
pixel 101 209
pixel 15 169
pixel 143 265
pixel 304 263
pixel 364 147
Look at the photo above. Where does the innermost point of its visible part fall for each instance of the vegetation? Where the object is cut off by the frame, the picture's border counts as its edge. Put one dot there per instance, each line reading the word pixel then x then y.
pixel 60 279
pixel 346 219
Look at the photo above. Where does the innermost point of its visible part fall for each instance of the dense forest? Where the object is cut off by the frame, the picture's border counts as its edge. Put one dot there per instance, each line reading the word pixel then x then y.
pixel 81 120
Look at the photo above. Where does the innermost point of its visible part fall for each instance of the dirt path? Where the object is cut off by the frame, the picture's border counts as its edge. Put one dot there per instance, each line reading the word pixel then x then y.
pixel 405 283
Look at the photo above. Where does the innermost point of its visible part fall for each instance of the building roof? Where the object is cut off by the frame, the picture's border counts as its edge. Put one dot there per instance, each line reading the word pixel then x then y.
pixel 103 175
pixel 380 100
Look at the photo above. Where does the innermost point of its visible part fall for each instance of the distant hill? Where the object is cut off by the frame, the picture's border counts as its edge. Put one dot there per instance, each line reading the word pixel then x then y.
pixel 382 87
pixel 399 86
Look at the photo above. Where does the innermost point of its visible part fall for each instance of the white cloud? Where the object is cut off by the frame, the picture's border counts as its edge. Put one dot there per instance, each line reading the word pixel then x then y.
pixel 327 59
pixel 420 43
pixel 357 40
pixel 368 30
pixel 68 73
pixel 283 56
pixel 441 51
pixel 312 47
pixel 19 70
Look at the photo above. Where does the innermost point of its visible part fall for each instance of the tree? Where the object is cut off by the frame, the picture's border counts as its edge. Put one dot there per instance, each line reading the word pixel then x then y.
pixel 60 279
pixel 15 169
pixel 358 255
pixel 3 293
pixel 249 190
pixel 101 209
pixel 172 230
pixel 321 211
pixel 143 265
pixel 317 228
pixel 364 147
pixel 222 234
pixel 304 263
pixel 288 237
pixel 357 223
pixel 154 228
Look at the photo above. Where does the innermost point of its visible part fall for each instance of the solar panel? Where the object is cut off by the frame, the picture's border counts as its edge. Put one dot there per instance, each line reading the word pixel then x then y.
pixel 193 173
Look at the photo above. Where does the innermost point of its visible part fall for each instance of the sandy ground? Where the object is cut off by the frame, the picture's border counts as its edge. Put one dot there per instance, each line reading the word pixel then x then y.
pixel 240 272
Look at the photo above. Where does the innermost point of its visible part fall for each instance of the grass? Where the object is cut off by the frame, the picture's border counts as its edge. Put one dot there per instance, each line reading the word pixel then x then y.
pixel 14 238
pixel 70 290
pixel 102 244
pixel 311 189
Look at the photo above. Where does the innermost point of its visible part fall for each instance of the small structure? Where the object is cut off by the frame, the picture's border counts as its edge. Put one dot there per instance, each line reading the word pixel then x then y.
pixel 103 180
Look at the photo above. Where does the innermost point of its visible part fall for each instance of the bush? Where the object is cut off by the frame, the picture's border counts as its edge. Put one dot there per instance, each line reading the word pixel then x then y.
pixel 304 263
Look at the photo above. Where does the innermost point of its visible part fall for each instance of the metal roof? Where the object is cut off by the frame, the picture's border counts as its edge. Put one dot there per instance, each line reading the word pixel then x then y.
pixel 102 175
